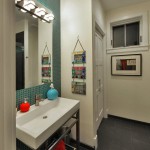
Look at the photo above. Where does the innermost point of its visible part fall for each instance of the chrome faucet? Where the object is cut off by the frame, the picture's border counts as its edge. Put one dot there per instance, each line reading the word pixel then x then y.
pixel 37 99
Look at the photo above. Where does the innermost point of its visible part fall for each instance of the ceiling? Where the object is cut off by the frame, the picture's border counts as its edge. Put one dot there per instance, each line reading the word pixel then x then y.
pixel 112 4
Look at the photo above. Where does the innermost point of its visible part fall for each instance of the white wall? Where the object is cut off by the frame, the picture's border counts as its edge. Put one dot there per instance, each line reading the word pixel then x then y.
pixel 20 26
pixel 33 56
pixel 30 30
pixel 45 32
pixel 7 76
pixel 23 26
pixel 129 96
pixel 99 14
pixel 76 19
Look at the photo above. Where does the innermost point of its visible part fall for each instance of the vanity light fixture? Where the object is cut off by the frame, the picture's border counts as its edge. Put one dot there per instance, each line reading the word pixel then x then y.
pixel 36 12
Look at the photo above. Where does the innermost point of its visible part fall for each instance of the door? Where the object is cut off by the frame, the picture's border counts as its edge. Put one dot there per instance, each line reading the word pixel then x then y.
pixel 20 60
pixel 98 79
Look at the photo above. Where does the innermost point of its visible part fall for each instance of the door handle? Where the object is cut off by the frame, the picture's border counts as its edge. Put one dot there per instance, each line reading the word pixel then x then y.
pixel 99 81
pixel 98 90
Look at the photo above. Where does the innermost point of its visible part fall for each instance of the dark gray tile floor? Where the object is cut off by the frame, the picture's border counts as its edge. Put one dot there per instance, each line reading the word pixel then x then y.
pixel 121 134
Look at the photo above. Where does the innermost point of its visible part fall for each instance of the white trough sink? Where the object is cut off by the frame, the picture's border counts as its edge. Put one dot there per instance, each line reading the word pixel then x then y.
pixel 34 127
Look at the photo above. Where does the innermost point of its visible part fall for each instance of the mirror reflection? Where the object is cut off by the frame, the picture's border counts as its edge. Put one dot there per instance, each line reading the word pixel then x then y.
pixel 31 37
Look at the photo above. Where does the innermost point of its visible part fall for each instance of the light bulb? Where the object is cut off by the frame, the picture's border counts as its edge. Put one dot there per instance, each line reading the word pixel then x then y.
pixel 25 5
pixel 17 1
pixel 37 11
pixel 42 11
pixel 31 4
pixel 34 16
pixel 24 11
pixel 49 17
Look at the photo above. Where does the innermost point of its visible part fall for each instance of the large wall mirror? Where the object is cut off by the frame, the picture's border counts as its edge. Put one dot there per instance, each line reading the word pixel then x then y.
pixel 32 35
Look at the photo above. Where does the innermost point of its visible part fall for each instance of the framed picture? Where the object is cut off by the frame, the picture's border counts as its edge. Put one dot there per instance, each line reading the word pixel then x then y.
pixel 46 80
pixel 79 88
pixel 79 57
pixel 46 71
pixel 46 60
pixel 79 72
pixel 126 65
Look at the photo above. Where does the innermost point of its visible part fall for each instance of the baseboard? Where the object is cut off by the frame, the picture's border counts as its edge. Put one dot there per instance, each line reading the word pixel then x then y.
pixel 83 145
pixel 128 119
pixel 106 113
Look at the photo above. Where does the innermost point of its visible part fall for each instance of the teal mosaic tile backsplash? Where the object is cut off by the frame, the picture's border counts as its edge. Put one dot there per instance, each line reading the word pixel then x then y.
pixel 30 94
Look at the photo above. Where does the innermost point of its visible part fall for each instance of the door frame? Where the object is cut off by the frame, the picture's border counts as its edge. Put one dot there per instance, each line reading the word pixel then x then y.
pixel 98 76
pixel 99 31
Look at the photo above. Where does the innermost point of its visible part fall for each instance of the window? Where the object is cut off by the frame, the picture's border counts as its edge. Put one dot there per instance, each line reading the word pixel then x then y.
pixel 126 35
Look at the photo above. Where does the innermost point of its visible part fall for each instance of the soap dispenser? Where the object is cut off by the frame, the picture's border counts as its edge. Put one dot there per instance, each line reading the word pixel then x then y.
pixel 25 106
pixel 52 94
